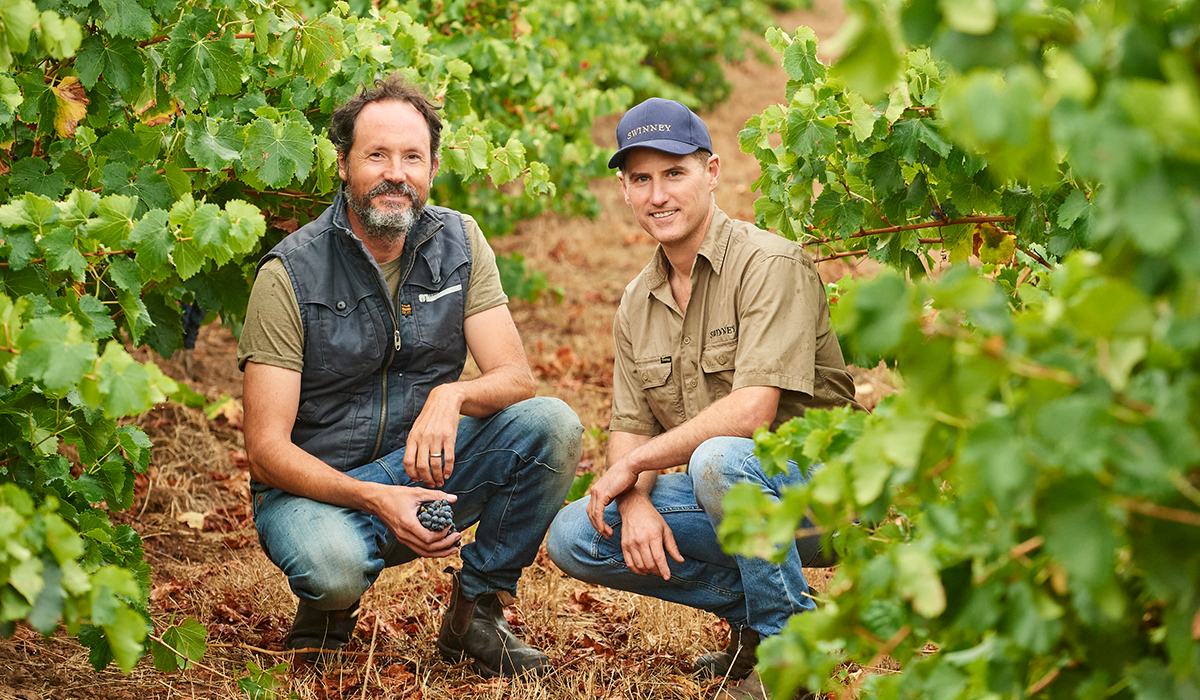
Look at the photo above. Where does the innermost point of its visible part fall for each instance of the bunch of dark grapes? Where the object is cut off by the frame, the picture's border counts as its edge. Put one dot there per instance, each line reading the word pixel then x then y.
pixel 436 515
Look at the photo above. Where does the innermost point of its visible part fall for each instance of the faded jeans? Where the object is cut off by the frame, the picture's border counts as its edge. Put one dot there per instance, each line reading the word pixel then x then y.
pixel 512 472
pixel 745 591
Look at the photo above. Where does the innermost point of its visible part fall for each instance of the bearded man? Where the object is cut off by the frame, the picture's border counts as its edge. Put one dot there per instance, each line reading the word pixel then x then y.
pixel 356 335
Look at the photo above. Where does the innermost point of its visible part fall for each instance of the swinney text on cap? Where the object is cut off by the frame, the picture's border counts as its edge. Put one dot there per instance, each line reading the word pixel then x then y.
pixel 647 129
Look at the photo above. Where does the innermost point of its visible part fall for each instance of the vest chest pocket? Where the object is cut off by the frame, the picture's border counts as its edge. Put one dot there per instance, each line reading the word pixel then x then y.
pixel 437 310
pixel 344 336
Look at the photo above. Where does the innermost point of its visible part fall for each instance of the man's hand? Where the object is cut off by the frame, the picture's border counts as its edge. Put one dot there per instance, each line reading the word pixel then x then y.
pixel 397 506
pixel 646 539
pixel 429 452
pixel 617 480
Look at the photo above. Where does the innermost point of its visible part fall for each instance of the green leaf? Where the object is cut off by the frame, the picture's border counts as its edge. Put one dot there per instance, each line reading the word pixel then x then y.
pixel 278 152
pixel 59 37
pixel 1075 206
pixel 800 57
pixel 129 388
pixel 33 175
pixel 187 642
pixel 579 486
pixel 61 254
pixel 95 316
pixel 919 582
pixel 202 67
pixel 870 63
pixel 507 162
pixel 47 608
pixel 127 18
pixel 18 17
pixel 214 144
pixel 54 353
pixel 153 242
pixel 118 60
pixel 114 220
pixel 969 16
pixel 125 273
pixel 862 117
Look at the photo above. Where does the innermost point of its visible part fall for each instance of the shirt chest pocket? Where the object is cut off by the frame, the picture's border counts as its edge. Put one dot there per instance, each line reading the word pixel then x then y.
pixel 718 362
pixel 654 378
pixel 343 335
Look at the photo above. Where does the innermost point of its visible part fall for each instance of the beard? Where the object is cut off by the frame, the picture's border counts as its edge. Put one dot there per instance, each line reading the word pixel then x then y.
pixel 389 224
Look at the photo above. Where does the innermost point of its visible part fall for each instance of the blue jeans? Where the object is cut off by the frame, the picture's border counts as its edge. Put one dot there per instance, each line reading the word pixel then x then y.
pixel 512 472
pixel 744 591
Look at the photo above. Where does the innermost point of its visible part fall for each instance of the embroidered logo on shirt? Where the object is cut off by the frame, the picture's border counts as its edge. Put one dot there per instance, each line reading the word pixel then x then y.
pixel 406 309
pixel 664 360
pixel 727 330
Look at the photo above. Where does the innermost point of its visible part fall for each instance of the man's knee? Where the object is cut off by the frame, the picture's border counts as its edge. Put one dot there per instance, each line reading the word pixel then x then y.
pixel 566 541
pixel 556 424
pixel 330 577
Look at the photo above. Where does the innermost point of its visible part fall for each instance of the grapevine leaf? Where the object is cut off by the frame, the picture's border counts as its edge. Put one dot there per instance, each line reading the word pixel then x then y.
pixel 127 18
pixel 129 388
pixel 969 16
pixel 862 117
pixel 870 64
pixel 153 242
pixel 72 106
pixel 188 642
pixel 137 317
pixel 507 162
pixel 61 254
pixel 33 175
pixel 95 316
pixel 125 274
pixel 247 226
pixel 150 190
pixel 59 37
pixel 18 17
pixel 78 208
pixel 47 607
pixel 1075 206
pixel 919 582
pixel 279 151
pixel 800 57
pixel 118 61
pixel 317 48
pixel 22 249
pixel 213 144
pixel 53 353
pixel 202 67
pixel 114 220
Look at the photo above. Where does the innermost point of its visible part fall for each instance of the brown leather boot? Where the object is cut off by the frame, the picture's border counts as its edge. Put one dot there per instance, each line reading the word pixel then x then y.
pixel 476 627
pixel 327 630
pixel 736 662
pixel 752 688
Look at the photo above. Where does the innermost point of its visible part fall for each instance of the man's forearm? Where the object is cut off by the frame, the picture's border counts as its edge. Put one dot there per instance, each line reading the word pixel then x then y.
pixel 498 389
pixel 737 415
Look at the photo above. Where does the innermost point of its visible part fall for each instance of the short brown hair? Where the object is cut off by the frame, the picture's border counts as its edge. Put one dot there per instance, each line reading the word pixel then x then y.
pixel 393 87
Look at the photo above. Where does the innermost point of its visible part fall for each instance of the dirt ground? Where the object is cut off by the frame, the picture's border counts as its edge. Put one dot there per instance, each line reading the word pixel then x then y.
pixel 192 508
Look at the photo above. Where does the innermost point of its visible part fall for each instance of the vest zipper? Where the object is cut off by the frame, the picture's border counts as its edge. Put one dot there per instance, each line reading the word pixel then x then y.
pixel 392 310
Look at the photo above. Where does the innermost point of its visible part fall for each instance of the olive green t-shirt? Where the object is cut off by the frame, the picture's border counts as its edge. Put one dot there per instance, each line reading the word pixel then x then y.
pixel 274 334
pixel 757 316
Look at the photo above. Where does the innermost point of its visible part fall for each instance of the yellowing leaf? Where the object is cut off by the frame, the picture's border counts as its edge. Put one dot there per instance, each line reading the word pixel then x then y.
pixel 192 519
pixel 993 244
pixel 72 106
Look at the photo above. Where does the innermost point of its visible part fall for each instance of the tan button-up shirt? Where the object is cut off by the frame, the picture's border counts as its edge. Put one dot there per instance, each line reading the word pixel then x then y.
pixel 757 316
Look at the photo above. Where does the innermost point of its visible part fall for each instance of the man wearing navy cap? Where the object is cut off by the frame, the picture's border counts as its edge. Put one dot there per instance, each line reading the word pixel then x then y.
pixel 726 330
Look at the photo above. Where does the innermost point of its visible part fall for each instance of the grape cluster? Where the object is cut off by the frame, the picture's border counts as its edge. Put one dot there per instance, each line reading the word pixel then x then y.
pixel 436 515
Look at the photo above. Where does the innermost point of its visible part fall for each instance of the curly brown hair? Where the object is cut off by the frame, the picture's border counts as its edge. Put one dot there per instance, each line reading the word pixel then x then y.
pixel 393 87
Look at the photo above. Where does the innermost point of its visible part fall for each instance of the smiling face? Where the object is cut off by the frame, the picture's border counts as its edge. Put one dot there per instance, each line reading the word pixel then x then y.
pixel 388 169
pixel 671 195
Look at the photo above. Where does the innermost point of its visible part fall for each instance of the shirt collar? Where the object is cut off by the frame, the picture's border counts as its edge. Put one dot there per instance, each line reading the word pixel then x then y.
pixel 712 248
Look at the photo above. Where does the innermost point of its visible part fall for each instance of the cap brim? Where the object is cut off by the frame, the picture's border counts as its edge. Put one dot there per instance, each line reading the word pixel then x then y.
pixel 678 148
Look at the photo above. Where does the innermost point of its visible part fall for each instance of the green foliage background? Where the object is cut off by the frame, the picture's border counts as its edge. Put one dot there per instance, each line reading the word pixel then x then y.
pixel 1023 518
pixel 151 151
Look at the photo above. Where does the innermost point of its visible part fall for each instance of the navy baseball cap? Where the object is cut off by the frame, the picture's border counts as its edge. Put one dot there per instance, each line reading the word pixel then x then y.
pixel 664 125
